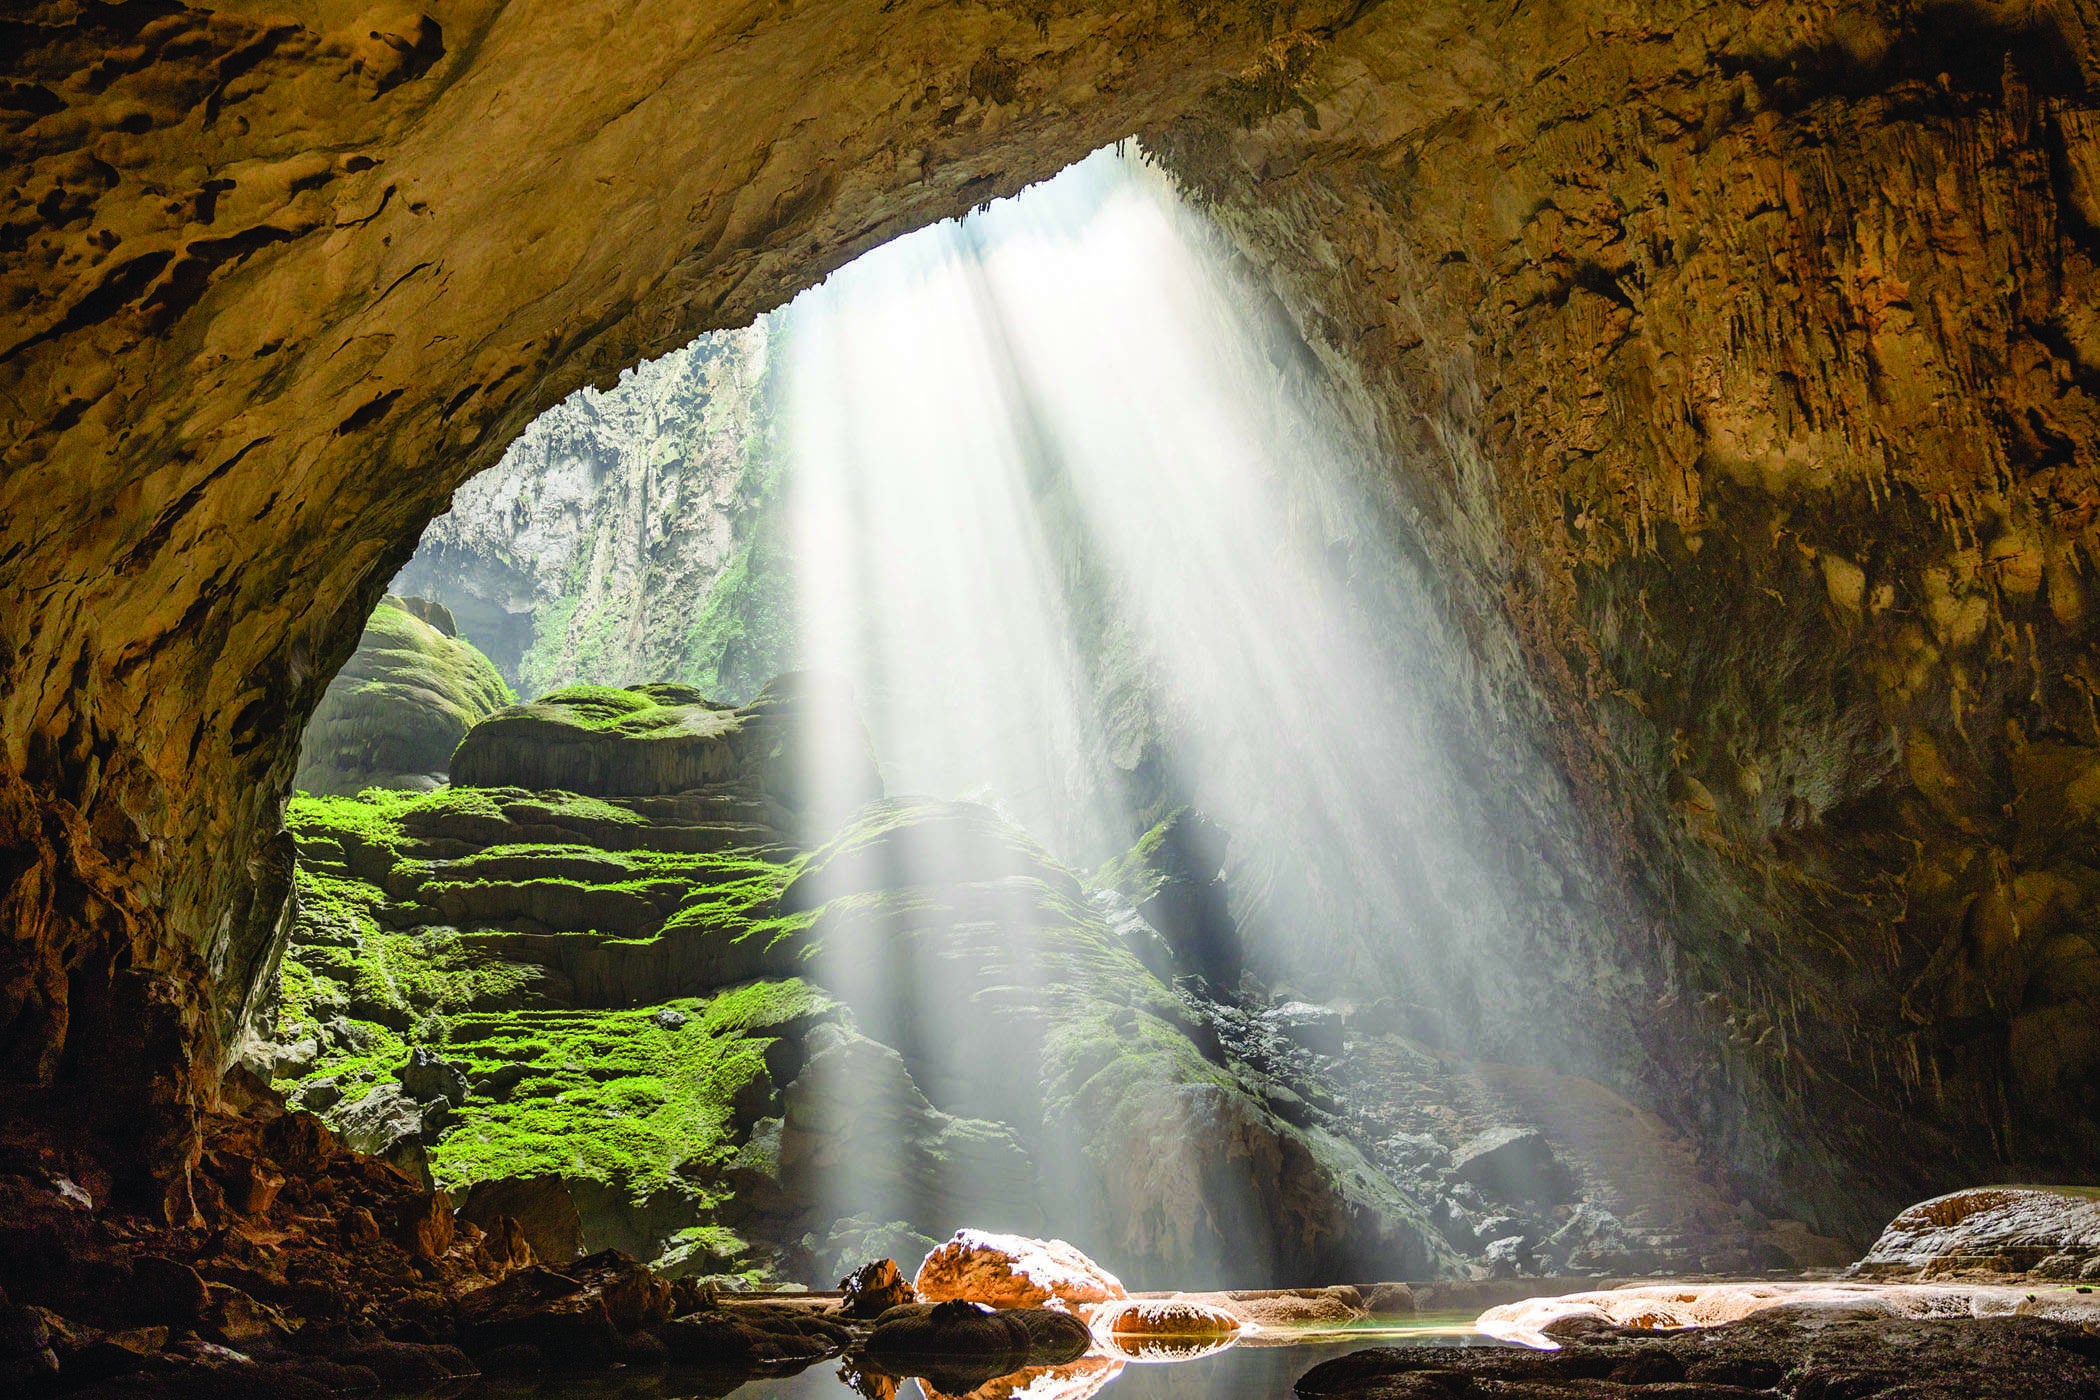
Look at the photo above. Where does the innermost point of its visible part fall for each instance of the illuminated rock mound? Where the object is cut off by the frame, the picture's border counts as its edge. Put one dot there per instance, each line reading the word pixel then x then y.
pixel 2050 1232
pixel 1164 1317
pixel 1013 1271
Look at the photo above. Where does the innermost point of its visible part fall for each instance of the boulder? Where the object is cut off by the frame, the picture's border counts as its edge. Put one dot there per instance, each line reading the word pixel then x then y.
pixel 1334 1306
pixel 1165 1317
pixel 1992 1229
pixel 1515 1164
pixel 427 1077
pixel 1538 1322
pixel 381 1123
pixel 959 1345
pixel 740 1333
pixel 541 1308
pixel 1013 1271
pixel 873 1289
pixel 660 739
pixel 399 707
pixel 542 1207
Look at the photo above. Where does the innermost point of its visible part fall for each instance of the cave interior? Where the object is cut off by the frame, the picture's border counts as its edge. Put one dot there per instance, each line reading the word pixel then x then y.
pixel 1411 657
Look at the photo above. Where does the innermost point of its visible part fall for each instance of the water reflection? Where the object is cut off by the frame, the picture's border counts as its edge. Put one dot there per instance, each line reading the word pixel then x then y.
pixel 1234 1370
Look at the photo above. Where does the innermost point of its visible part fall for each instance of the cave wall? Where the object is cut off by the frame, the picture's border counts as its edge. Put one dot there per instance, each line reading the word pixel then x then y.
pixel 1742 359
pixel 1734 362
pixel 279 276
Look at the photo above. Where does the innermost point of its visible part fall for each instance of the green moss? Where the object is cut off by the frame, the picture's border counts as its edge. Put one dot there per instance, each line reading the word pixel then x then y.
pixel 598 706
pixel 398 708
pixel 614 1096
pixel 1139 873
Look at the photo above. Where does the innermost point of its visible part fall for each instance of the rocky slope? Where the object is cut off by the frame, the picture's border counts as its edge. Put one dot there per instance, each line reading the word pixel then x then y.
pixel 399 707
pixel 630 535
pixel 623 960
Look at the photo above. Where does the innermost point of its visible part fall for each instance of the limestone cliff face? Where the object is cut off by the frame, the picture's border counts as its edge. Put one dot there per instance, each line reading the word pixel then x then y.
pixel 1736 359
pixel 628 536
pixel 1741 362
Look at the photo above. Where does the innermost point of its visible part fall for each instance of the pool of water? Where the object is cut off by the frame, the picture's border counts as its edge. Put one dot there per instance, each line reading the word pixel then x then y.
pixel 1236 1372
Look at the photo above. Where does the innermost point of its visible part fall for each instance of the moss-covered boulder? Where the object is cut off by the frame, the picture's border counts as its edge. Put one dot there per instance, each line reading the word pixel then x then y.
pixel 393 715
pixel 800 743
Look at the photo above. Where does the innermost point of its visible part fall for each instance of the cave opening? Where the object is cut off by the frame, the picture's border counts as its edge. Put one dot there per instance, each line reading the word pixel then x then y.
pixel 981 717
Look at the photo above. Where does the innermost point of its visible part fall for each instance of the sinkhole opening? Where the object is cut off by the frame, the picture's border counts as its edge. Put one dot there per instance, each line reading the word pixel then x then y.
pixel 975 748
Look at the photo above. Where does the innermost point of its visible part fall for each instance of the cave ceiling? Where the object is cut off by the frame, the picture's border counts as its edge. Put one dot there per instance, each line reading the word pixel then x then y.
pixel 1738 362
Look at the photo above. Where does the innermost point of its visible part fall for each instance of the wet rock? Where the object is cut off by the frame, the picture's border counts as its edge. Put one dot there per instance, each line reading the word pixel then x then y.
pixel 542 1207
pixel 1012 1271
pixel 635 1297
pixel 1317 1028
pixel 426 1077
pixel 1838 1356
pixel 1684 1305
pixel 958 1345
pixel 668 1019
pixel 1993 1229
pixel 407 1363
pixel 1515 1164
pixel 873 1289
pixel 1165 1317
pixel 744 1332
pixel 540 1308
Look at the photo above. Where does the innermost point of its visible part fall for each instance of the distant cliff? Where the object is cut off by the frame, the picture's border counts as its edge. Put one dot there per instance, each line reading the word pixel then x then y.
pixel 628 536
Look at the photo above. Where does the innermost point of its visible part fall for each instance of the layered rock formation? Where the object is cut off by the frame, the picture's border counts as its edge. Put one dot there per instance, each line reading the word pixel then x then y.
pixel 399 707
pixel 639 1002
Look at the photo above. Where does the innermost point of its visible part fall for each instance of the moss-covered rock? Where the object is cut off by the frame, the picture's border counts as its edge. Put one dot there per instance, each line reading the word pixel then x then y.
pixel 738 1057
pixel 661 739
pixel 399 707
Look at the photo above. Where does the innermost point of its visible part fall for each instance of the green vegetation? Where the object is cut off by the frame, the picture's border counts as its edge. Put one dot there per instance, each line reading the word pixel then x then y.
pixel 398 708
pixel 381 963
pixel 616 1097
